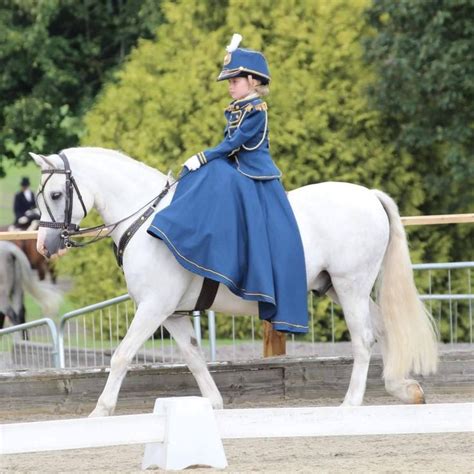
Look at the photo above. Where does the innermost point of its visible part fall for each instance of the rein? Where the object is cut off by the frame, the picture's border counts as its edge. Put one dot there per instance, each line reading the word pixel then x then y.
pixel 71 230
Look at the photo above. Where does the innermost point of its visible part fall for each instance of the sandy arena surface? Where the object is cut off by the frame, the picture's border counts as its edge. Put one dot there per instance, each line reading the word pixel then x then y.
pixel 395 454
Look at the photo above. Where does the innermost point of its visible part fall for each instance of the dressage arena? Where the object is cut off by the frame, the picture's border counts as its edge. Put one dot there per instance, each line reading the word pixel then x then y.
pixel 282 382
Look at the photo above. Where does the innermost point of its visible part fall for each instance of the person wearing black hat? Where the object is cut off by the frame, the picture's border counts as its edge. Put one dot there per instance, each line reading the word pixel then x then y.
pixel 24 205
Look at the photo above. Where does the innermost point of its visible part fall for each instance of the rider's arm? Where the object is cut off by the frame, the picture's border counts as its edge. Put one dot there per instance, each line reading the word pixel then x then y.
pixel 252 123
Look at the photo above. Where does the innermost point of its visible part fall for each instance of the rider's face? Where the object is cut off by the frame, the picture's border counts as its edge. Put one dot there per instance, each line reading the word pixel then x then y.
pixel 239 87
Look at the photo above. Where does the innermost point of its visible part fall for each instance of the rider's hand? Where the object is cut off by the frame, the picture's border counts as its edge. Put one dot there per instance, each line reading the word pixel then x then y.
pixel 192 163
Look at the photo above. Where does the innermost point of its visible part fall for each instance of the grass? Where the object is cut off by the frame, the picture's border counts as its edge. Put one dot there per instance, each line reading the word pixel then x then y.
pixel 33 310
pixel 10 184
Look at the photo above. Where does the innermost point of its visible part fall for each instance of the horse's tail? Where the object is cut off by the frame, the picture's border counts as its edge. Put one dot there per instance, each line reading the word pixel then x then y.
pixel 410 332
pixel 45 293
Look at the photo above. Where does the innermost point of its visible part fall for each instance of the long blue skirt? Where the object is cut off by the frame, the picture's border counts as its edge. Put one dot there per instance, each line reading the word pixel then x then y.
pixel 242 233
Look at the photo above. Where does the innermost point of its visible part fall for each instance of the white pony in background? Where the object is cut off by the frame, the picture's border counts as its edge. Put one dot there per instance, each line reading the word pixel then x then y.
pixel 16 278
pixel 350 234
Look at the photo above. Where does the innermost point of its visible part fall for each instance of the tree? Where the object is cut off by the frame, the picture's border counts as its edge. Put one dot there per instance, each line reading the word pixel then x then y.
pixel 55 56
pixel 423 53
pixel 165 106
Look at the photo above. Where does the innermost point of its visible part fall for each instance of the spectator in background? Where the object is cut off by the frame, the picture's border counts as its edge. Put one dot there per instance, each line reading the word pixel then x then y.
pixel 24 205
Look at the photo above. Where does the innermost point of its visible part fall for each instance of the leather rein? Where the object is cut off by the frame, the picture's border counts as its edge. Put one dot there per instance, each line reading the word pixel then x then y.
pixel 71 230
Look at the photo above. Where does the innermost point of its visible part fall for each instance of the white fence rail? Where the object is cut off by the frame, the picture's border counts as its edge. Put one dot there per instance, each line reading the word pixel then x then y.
pixel 186 431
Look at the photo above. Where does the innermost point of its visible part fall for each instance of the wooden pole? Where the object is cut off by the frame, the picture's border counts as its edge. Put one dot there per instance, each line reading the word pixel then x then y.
pixel 33 235
pixel 441 219
pixel 19 235
pixel 274 342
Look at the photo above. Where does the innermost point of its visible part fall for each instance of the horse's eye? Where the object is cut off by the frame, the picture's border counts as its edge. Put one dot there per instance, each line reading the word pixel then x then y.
pixel 55 196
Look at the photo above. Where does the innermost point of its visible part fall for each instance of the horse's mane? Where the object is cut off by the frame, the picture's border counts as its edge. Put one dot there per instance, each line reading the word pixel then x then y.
pixel 112 154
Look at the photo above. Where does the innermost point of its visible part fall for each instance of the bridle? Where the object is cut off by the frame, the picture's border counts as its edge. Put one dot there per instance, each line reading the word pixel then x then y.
pixel 68 228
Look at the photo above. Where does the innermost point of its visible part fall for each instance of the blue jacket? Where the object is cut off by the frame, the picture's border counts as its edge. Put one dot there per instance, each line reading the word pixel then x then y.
pixel 246 140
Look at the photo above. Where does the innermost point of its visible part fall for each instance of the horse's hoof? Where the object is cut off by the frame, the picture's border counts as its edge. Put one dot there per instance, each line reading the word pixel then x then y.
pixel 416 394
pixel 217 403
pixel 99 412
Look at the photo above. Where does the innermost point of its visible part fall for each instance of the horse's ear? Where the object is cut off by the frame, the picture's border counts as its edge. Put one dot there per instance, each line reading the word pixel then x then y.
pixel 41 160
pixel 38 159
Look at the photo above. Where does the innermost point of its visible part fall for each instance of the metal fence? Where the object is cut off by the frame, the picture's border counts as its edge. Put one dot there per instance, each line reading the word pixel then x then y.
pixel 87 337
pixel 33 345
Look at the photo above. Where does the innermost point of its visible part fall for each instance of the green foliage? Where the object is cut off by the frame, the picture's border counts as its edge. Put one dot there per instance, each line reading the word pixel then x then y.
pixel 423 55
pixel 164 105
pixel 94 270
pixel 10 184
pixel 55 56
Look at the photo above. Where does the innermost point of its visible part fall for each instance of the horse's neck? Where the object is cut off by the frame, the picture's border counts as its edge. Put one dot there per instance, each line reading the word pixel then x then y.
pixel 120 186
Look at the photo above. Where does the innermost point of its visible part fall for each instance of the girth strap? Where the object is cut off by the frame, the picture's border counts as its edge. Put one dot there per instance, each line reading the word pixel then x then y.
pixel 207 295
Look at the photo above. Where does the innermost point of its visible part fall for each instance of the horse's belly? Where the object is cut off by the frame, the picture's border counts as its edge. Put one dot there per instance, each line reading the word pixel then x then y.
pixel 227 302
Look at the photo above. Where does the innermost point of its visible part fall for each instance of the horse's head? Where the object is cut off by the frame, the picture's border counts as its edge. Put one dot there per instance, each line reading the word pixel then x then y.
pixel 63 201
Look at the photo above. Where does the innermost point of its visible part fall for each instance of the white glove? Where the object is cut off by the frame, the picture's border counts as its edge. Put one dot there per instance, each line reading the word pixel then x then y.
pixel 192 163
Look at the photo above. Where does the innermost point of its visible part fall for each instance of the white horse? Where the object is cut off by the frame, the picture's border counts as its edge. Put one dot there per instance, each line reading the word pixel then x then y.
pixel 16 277
pixel 349 232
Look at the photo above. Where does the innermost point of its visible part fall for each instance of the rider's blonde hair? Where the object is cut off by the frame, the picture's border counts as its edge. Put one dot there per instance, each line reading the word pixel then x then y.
pixel 258 87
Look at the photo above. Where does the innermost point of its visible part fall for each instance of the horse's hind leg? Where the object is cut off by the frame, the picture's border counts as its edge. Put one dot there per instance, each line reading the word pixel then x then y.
pixel 406 390
pixel 142 327
pixel 356 312
pixel 182 330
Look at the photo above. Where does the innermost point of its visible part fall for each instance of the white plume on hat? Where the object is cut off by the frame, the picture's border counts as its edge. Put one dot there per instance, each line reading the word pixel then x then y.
pixel 234 42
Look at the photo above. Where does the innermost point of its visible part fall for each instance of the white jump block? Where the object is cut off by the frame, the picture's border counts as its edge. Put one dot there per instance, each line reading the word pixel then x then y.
pixel 190 438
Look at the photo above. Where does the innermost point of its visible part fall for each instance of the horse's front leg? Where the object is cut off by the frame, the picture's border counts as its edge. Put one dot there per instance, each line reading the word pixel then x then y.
pixel 144 323
pixel 182 330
